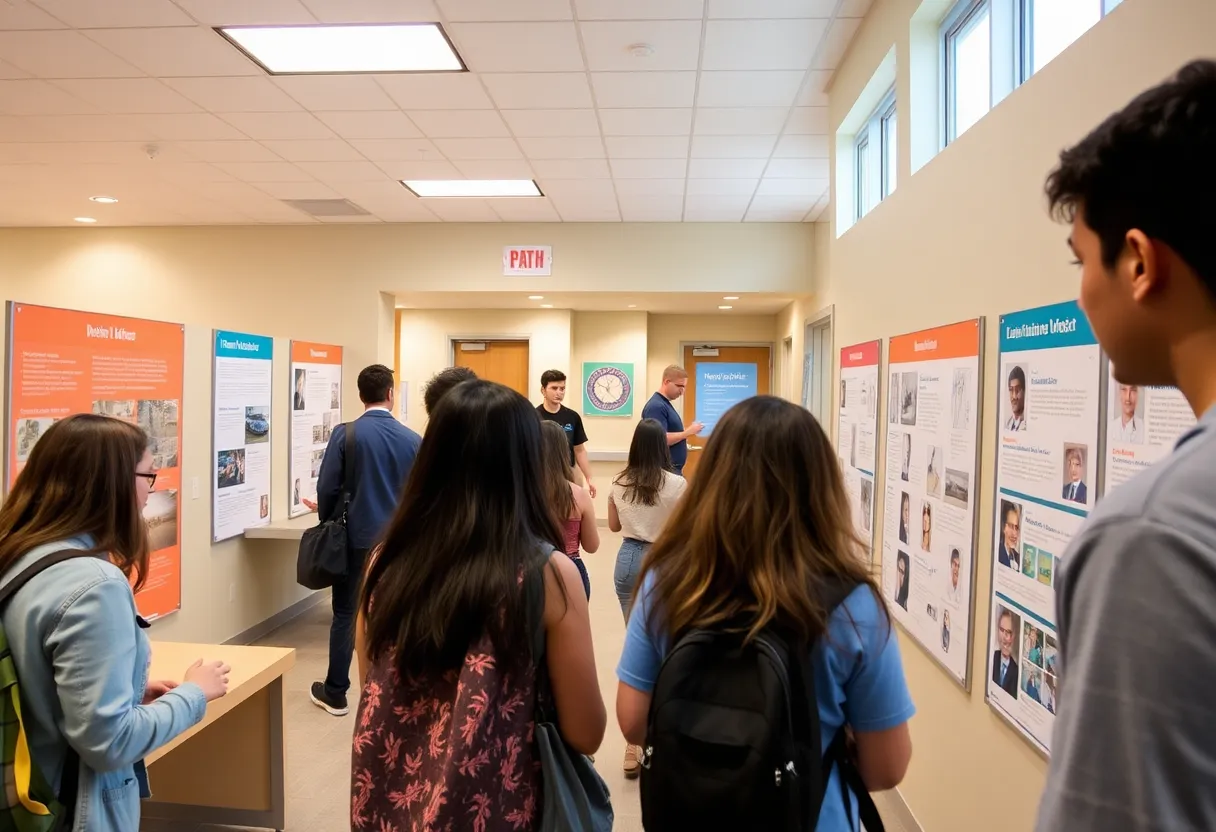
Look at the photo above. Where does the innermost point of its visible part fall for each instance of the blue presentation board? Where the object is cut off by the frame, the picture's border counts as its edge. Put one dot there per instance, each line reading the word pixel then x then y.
pixel 720 387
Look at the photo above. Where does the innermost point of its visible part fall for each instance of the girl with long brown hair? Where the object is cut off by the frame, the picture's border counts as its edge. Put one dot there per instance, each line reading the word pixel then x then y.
pixel 765 523
pixel 570 502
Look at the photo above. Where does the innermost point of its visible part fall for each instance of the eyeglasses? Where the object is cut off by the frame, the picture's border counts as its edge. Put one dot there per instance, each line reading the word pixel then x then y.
pixel 151 478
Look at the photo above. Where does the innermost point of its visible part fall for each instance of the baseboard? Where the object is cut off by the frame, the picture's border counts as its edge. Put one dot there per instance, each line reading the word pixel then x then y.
pixel 265 628
pixel 896 815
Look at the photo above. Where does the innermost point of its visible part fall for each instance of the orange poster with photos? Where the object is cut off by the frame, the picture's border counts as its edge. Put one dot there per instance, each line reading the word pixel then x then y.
pixel 62 362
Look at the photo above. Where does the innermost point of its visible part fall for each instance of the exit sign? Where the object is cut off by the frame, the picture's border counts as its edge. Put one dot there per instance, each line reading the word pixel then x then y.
pixel 527 260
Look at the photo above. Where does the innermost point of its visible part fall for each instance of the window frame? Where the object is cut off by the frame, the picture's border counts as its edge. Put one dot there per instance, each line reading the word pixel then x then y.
pixel 871 177
pixel 955 23
pixel 861 163
pixel 887 114
pixel 1024 34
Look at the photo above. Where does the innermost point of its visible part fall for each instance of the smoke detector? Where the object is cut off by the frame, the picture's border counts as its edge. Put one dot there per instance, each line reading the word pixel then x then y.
pixel 641 50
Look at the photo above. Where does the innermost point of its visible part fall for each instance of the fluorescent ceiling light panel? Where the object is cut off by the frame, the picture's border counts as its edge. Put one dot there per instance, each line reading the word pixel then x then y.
pixel 318 50
pixel 479 188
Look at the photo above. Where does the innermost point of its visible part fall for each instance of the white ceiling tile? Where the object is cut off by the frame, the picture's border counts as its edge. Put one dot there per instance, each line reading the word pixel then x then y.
pixel 436 91
pixel 87 128
pixel 639 9
pixel 499 10
pixel 413 169
pixel 715 208
pixel 189 127
pixel 775 214
pixel 247 12
pixel 802 147
pixel 760 9
pixel 191 173
pixel 793 187
pixel 235 94
pixel 808 121
pixel 379 124
pixel 563 148
pixel 459 124
pixel 404 212
pixel 721 187
pixel 582 211
pixel 800 203
pixel 539 91
pixel 650 187
pixel 242 151
pixel 324 150
pixel 576 169
pixel 648 168
pixel 774 88
pixel 331 172
pixel 813 94
pixel 739 121
pixel 478 148
pixel 525 210
pixel 726 168
pixel 22 14
pixel 494 169
pixel 854 8
pixel 358 218
pixel 837 41
pixel 798 169
pixel 298 190
pixel 761 44
pixel 8 72
pixel 231 193
pixel 129 95
pixel 336 92
pixel 539 123
pixel 462 210
pixel 732 147
pixel 373 11
pixel 69 154
pixel 264 171
pixel 518 47
pixel 652 208
pixel 398 150
pixel 176 52
pixel 598 190
pixel 90 14
pixel 647 147
pixel 644 89
pixel 271 126
pixel 676 45
pixel 40 98
pixel 647 122
pixel 63 54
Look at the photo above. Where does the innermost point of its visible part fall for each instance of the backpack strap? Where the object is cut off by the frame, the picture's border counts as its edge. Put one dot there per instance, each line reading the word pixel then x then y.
pixel 841 756
pixel 28 573
pixel 350 469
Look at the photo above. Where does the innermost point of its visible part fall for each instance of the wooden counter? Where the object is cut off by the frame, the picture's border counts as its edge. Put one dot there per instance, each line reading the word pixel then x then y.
pixel 283 529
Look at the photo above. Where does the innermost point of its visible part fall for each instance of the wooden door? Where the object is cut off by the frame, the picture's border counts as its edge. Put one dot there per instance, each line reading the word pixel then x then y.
pixel 762 357
pixel 505 362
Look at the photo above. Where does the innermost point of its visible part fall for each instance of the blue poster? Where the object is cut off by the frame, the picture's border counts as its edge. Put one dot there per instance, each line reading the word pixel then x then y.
pixel 719 388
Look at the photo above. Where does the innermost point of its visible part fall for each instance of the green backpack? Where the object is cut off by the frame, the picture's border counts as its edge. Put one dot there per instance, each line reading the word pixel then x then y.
pixel 28 803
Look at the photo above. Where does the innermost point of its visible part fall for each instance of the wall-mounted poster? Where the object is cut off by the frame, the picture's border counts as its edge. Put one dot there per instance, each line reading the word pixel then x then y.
pixel 607 389
pixel 316 407
pixel 932 471
pixel 1049 410
pixel 62 362
pixel 857 437
pixel 720 387
pixel 242 390
pixel 1143 425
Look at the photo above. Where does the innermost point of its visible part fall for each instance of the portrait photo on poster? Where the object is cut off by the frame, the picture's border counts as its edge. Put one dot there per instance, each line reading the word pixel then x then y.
pixel 1015 399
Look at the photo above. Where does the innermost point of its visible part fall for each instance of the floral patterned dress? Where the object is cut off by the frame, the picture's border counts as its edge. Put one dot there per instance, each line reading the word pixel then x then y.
pixel 449 752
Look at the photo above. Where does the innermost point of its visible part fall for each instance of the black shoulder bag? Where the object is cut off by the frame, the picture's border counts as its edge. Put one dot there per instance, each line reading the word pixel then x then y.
pixel 324 557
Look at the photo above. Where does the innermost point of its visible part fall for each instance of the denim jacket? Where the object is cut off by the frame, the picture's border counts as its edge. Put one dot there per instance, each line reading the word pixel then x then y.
pixel 82 664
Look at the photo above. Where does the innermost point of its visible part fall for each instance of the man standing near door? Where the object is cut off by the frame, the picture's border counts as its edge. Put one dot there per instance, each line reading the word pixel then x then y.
pixel 553 388
pixel 660 408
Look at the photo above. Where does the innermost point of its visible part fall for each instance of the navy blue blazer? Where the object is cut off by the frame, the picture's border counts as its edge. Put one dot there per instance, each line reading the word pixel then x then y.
pixel 384 454
pixel 1082 492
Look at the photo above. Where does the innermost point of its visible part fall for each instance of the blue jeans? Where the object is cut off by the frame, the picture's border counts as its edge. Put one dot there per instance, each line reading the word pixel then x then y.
pixel 582 571
pixel 628 565
pixel 342 628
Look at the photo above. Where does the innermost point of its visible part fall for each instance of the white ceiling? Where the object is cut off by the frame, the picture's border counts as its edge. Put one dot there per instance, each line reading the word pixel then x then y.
pixel 725 121
pixel 671 303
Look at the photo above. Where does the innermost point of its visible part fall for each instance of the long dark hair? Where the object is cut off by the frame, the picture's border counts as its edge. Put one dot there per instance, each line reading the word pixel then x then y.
pixel 80 480
pixel 649 457
pixel 556 473
pixel 764 522
pixel 471 518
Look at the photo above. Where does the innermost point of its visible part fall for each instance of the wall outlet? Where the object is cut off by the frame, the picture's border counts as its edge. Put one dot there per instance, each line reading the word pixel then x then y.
pixel 194 488
pixel 231 593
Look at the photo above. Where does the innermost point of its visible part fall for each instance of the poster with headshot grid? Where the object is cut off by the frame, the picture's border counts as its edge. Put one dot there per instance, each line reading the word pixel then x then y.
pixel 1049 410
pixel 932 471
pixel 857 432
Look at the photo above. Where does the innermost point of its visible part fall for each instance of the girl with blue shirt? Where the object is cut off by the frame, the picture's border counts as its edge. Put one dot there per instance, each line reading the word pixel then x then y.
pixel 766 519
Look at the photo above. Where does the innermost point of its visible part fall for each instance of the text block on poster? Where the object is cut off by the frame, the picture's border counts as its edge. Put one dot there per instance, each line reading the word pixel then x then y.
pixel 62 362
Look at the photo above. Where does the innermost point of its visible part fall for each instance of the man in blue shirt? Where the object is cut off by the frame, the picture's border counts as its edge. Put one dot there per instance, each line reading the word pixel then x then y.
pixel 384 454
pixel 659 408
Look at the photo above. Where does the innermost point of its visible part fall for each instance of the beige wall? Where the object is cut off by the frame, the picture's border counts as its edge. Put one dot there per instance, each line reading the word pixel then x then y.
pixel 967 235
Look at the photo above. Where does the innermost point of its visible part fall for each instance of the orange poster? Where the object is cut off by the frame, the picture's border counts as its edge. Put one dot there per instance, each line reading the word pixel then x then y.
pixel 62 362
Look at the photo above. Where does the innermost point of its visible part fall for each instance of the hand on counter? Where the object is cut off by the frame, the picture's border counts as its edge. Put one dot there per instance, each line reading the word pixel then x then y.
pixel 157 689
pixel 211 677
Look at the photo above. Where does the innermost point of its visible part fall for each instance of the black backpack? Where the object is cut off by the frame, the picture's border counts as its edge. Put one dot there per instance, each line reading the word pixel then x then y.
pixel 733 738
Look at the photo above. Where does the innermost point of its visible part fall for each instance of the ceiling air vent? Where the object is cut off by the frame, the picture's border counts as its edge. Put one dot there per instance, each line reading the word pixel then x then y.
pixel 327 207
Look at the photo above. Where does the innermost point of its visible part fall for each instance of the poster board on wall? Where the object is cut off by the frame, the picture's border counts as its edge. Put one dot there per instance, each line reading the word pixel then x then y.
pixel 1143 425
pixel 932 471
pixel 62 362
pixel 857 434
pixel 1050 415
pixel 316 408
pixel 241 429
pixel 721 386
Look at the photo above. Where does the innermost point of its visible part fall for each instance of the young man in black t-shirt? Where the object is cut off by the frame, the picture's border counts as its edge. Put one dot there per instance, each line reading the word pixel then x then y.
pixel 553 388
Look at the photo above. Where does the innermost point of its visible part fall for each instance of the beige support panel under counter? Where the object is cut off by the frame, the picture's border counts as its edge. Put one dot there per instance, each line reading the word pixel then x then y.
pixel 229 769
pixel 283 529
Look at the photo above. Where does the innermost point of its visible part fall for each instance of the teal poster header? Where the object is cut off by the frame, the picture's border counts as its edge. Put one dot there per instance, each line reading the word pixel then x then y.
pixel 1046 328
pixel 240 345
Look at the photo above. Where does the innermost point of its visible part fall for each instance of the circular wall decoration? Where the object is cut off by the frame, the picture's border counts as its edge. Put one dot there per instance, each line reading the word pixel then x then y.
pixel 608 389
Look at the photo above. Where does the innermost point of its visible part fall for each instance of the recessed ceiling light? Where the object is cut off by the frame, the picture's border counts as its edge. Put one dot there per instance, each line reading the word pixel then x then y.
pixel 104 200
pixel 536 297
pixel 726 307
pixel 84 219
pixel 546 306
pixel 316 50
pixel 731 297
pixel 477 188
